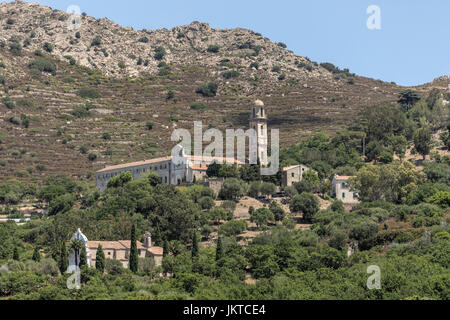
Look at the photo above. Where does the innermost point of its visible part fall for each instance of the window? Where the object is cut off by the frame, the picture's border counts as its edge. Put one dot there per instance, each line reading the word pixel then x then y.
pixel 344 185
pixel 262 130
pixel 293 175
pixel 165 179
pixel 343 195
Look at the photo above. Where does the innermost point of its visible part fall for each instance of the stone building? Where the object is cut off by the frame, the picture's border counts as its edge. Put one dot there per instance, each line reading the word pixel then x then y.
pixel 120 250
pixel 293 174
pixel 342 191
pixel 191 166
pixel 116 250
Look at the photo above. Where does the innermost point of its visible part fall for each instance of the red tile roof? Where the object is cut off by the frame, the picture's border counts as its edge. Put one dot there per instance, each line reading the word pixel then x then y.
pixel 123 245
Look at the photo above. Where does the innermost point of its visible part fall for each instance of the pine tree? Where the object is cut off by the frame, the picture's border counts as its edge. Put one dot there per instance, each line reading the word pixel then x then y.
pixel 100 259
pixel 195 246
pixel 16 254
pixel 36 255
pixel 133 263
pixel 219 249
pixel 165 248
pixel 63 259
pixel 83 257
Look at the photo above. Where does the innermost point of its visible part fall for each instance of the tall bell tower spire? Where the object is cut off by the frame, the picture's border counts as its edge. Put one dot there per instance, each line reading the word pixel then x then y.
pixel 258 122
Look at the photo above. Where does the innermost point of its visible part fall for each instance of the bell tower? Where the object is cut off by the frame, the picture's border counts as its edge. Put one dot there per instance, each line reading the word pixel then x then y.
pixel 258 122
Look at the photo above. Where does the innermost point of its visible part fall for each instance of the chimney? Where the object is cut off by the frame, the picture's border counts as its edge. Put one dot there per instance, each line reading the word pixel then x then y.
pixel 148 240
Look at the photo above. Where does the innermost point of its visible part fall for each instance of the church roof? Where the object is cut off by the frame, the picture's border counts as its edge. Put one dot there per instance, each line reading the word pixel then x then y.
pixel 166 159
pixel 135 164
pixel 123 245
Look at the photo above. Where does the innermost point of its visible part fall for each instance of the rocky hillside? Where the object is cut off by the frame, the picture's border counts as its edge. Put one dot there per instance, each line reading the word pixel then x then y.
pixel 73 101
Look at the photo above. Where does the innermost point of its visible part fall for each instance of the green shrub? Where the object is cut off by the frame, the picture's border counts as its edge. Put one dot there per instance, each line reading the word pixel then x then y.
pixel 97 41
pixel 121 65
pixel 92 157
pixel 254 65
pixel 8 103
pixel 213 48
pixel 88 93
pixel 43 65
pixel 198 106
pixel 78 35
pixel 276 69
pixel 149 125
pixel 230 74
pixel 207 90
pixel 81 111
pixel 160 52
pixel 48 47
pixel 15 48
pixel 143 40
pixel 2 80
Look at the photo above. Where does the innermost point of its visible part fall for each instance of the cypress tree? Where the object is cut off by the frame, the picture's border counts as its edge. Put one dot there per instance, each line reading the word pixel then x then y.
pixel 219 249
pixel 63 259
pixel 195 246
pixel 100 259
pixel 16 254
pixel 36 255
pixel 133 263
pixel 165 248
pixel 83 257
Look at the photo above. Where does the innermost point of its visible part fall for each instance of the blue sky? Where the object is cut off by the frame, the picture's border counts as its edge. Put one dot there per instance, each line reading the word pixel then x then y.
pixel 411 48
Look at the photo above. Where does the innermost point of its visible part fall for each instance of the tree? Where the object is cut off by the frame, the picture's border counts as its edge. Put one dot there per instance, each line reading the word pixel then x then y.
pixel 306 203
pixel 392 182
pixel 120 180
pixel 277 211
pixel 194 251
pixel 399 144
pixel 407 99
pixel 232 189
pixel 250 172
pixel 219 249
pixel 165 248
pixel 16 256
pixel 133 262
pixel 422 141
pixel 83 257
pixel 254 189
pixel 76 246
pixel 268 188
pixel 233 228
pixel 154 179
pixel 206 203
pixel 63 258
pixel 218 213
pixel 36 255
pixel 213 170
pixel 100 259
pixel 261 217
pixel 61 204
pixel 337 206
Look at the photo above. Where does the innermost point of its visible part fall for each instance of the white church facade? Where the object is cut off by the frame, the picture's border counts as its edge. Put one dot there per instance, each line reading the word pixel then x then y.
pixel 191 166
